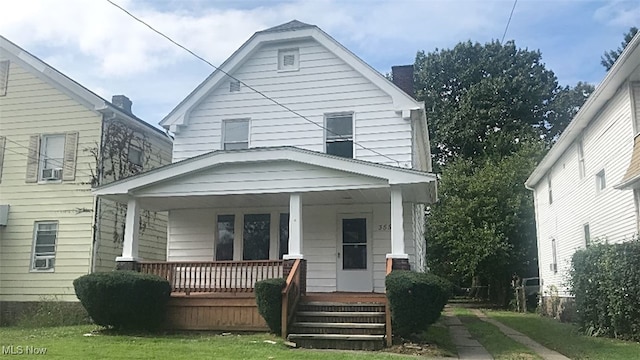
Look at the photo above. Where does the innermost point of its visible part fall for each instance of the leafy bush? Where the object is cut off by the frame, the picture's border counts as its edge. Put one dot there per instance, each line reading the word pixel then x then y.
pixel 416 300
pixel 605 280
pixel 124 300
pixel 269 300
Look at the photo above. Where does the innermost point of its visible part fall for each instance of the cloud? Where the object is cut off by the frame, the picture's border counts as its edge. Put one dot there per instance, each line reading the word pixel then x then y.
pixel 619 13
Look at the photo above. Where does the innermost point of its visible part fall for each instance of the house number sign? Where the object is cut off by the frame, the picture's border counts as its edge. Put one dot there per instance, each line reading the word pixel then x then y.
pixel 384 227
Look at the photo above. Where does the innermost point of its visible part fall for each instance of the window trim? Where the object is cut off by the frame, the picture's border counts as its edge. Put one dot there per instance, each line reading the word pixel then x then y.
pixel 601 181
pixel 549 189
pixel 139 149
pixel 554 255
pixel 34 243
pixel 43 155
pixel 5 65
pixel 296 63
pixel 353 131
pixel 223 134
pixel 586 234
pixel 580 151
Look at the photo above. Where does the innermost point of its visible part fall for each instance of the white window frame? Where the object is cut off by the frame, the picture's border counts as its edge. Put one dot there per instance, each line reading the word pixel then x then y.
pixel 601 181
pixel 140 157
pixel 288 52
pixel 549 189
pixel 51 256
pixel 580 151
pixel 4 77
pixel 59 164
pixel 554 256
pixel 586 233
pixel 223 141
pixel 327 116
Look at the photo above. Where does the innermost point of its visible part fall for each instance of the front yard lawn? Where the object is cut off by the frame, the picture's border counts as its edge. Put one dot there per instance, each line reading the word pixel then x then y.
pixel 70 342
pixel 566 339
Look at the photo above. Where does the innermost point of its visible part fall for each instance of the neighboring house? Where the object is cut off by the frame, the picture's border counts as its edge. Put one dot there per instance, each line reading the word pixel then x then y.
pixel 57 140
pixel 586 188
pixel 336 178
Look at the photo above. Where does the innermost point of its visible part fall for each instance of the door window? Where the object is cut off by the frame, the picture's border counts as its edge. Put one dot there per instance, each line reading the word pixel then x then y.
pixel 354 244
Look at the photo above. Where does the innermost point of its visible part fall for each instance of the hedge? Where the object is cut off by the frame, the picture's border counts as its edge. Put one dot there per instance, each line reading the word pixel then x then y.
pixel 269 300
pixel 124 300
pixel 605 280
pixel 416 300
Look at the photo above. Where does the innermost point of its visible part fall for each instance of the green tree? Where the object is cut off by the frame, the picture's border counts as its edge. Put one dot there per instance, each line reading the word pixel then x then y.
pixel 609 57
pixel 483 226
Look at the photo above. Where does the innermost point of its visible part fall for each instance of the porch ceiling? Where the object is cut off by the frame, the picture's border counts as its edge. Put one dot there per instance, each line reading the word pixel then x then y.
pixel 343 197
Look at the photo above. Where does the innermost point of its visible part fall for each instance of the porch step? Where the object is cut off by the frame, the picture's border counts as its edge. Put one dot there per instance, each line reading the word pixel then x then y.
pixel 339 325
pixel 338 328
pixel 338 341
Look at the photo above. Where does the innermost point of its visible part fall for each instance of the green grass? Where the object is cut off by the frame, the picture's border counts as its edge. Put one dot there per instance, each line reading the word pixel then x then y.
pixel 497 344
pixel 565 338
pixel 438 335
pixel 69 342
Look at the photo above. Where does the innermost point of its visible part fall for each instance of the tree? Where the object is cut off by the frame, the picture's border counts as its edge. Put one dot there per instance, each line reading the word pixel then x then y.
pixel 483 225
pixel 564 107
pixel 609 57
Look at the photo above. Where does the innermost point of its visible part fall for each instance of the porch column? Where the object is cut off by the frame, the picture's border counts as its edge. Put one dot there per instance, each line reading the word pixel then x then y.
pixel 397 226
pixel 295 228
pixel 131 233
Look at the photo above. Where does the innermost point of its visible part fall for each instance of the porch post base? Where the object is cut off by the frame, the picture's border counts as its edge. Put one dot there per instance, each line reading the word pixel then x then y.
pixel 127 263
pixel 399 261
pixel 286 269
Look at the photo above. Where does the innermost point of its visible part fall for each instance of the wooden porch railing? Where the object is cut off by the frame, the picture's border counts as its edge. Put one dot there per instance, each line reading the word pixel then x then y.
pixel 214 276
pixel 387 310
pixel 291 296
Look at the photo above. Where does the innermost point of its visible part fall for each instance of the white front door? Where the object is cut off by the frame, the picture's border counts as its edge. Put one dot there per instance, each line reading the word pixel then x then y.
pixel 355 265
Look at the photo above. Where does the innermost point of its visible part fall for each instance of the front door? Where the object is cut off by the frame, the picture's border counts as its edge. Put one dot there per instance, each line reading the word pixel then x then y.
pixel 355 271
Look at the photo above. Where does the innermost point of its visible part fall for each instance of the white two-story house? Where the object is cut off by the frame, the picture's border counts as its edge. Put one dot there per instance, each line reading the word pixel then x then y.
pixel 294 149
pixel 586 188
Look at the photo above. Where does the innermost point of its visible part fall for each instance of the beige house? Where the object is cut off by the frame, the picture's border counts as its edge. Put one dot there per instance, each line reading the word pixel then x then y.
pixel 57 140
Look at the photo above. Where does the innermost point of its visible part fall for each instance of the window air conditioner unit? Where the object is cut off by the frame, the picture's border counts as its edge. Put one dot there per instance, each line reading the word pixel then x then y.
pixel 553 267
pixel 43 262
pixel 51 174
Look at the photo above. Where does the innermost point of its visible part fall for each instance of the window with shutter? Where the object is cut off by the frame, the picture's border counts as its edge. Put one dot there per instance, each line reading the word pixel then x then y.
pixel 52 157
pixel 4 77
pixel 288 59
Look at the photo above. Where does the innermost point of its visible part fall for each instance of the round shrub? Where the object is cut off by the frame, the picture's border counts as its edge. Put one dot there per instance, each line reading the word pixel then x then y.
pixel 416 300
pixel 124 300
pixel 269 300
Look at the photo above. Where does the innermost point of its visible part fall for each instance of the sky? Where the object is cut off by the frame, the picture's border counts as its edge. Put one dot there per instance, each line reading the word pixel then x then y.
pixel 104 49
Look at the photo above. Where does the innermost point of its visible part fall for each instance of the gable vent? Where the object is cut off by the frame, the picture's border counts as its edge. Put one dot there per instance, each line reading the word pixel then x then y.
pixel 289 60
pixel 234 86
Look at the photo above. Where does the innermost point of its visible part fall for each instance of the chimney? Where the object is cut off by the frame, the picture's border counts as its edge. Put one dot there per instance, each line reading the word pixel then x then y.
pixel 122 102
pixel 403 78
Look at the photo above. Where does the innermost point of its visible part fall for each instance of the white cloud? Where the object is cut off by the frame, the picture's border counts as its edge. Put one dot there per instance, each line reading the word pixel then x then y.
pixel 619 13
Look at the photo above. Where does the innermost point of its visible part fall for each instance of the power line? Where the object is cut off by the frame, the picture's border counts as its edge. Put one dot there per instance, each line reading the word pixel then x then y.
pixel 243 83
pixel 509 21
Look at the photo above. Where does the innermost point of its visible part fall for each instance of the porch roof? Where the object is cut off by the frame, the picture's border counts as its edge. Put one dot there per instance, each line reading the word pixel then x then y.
pixel 268 172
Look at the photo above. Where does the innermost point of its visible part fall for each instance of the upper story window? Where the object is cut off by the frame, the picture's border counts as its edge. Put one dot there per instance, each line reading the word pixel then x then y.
pixel 2 141
pixel 44 246
pixel 550 189
pixel 339 134
pixel 587 234
pixel 135 155
pixel 580 149
pixel 601 181
pixel 52 157
pixel 4 76
pixel 235 134
pixel 288 59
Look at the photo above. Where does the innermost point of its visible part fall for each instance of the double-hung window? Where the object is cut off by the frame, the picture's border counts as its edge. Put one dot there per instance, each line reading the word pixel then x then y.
pixel 235 134
pixel 44 246
pixel 52 160
pixel 339 134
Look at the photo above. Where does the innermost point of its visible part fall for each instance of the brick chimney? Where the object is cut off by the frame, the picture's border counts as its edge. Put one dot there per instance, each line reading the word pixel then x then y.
pixel 403 78
pixel 122 102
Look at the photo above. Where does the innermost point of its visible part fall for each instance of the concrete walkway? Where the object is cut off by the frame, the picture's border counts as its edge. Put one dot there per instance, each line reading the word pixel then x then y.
pixel 468 347
pixel 542 351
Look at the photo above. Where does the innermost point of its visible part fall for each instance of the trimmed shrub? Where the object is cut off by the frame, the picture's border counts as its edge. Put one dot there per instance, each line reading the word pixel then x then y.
pixel 605 280
pixel 124 300
pixel 269 300
pixel 416 300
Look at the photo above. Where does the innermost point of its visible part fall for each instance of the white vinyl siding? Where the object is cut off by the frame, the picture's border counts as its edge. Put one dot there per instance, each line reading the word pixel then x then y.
pixel 323 84
pixel 192 237
pixel 607 144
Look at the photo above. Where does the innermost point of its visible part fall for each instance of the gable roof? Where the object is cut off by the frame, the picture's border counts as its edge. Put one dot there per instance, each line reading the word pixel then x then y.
pixel 627 62
pixel 394 175
pixel 69 86
pixel 293 30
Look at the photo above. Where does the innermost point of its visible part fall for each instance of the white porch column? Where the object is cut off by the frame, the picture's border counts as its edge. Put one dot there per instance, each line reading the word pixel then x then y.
pixel 397 225
pixel 295 228
pixel 131 232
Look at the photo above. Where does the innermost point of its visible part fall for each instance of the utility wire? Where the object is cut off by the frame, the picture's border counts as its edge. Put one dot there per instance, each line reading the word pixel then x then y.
pixel 242 82
pixel 508 21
